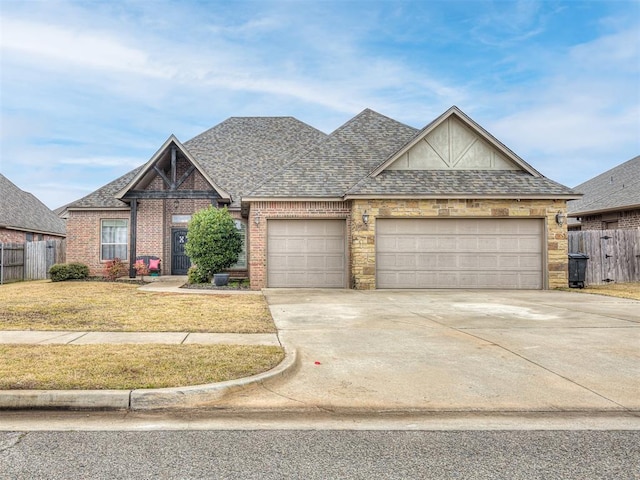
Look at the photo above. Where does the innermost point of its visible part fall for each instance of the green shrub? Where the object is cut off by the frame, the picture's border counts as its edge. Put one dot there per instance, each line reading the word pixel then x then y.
pixel 213 241
pixel 115 268
pixel 68 271
pixel 195 275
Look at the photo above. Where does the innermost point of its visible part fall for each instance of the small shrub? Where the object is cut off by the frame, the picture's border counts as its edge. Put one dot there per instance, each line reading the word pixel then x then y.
pixel 196 275
pixel 68 271
pixel 141 268
pixel 115 268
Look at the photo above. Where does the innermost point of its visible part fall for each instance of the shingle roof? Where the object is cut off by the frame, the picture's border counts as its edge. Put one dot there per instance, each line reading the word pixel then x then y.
pixel 104 197
pixel 20 210
pixel 331 167
pixel 615 189
pixel 458 183
pixel 242 152
pixel 239 153
pixel 281 157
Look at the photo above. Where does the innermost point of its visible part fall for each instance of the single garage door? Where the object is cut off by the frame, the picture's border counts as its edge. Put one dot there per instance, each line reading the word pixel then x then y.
pixel 459 253
pixel 306 253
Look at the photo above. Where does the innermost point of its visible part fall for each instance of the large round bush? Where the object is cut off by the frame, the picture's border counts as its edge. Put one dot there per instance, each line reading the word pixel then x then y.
pixel 213 241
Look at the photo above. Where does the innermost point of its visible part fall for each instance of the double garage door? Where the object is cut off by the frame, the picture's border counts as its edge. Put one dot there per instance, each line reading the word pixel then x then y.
pixel 459 253
pixel 411 253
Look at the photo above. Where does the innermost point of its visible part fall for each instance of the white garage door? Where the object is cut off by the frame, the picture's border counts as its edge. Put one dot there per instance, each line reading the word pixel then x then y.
pixel 306 253
pixel 459 253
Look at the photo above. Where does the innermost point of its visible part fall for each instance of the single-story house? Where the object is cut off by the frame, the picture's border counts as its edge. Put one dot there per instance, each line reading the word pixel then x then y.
pixel 374 204
pixel 24 218
pixel 611 200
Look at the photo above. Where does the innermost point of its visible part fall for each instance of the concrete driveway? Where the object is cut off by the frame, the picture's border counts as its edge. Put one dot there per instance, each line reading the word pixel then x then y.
pixel 443 350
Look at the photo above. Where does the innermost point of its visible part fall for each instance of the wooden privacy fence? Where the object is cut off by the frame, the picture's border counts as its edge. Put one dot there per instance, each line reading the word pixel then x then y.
pixel 31 260
pixel 614 255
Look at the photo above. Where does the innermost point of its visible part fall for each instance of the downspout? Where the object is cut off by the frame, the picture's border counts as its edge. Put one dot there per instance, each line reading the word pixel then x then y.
pixel 132 238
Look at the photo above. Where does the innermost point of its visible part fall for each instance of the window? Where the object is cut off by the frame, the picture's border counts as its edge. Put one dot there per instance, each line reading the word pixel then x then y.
pixel 29 237
pixel 241 264
pixel 180 218
pixel 113 239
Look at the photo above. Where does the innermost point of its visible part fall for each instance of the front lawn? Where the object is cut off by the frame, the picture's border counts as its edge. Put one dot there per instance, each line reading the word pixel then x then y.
pixel 97 367
pixel 104 306
pixel 622 290
pixel 116 307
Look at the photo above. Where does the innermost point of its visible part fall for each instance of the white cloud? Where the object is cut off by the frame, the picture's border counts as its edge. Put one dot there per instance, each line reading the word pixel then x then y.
pixel 63 46
pixel 101 162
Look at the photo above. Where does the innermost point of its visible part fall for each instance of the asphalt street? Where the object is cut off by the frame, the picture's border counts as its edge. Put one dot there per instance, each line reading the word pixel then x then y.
pixel 321 455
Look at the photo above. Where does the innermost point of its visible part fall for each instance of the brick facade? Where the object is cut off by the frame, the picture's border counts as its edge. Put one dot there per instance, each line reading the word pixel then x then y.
pixel 262 212
pixel 8 235
pixel 625 220
pixel 363 250
pixel 83 232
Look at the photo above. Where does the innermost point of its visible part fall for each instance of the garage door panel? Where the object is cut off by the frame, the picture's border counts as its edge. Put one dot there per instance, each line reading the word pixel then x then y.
pixel 488 244
pixel 306 253
pixel 459 253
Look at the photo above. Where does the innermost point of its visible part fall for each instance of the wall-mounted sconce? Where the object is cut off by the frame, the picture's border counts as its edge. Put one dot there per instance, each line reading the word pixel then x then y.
pixel 560 218
pixel 365 218
pixel 256 219
pixel 176 204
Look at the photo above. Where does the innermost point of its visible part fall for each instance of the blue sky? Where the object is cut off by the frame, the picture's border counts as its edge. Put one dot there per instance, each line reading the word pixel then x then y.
pixel 90 90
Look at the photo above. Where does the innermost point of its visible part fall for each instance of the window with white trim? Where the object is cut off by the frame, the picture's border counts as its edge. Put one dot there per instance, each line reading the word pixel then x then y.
pixel 241 264
pixel 113 239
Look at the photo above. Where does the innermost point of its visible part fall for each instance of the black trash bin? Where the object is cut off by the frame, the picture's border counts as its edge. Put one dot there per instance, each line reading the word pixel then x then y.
pixel 577 269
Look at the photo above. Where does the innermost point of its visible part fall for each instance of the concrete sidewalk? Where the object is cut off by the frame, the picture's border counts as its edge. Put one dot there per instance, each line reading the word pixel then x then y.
pixel 173 338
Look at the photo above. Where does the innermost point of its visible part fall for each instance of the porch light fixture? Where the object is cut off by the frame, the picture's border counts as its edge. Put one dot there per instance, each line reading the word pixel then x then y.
pixel 256 219
pixel 365 218
pixel 560 218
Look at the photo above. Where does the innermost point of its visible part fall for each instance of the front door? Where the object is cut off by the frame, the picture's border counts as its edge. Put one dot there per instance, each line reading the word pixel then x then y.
pixel 180 263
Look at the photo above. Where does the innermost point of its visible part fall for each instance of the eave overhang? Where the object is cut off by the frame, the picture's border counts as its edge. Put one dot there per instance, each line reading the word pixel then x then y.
pixel 31 230
pixel 460 196
pixel 292 199
pixel 584 213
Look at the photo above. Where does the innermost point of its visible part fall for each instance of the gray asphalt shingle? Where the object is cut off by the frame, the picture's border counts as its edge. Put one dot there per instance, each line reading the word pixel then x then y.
pixel 618 188
pixel 281 157
pixel 330 168
pixel 458 182
pixel 22 211
pixel 237 154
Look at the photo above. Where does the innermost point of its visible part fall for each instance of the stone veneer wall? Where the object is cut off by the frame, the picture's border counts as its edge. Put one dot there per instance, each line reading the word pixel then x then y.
pixel 264 211
pixel 363 249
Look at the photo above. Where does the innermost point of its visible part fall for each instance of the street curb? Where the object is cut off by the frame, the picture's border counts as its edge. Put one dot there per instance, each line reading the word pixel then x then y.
pixel 151 399
pixel 202 395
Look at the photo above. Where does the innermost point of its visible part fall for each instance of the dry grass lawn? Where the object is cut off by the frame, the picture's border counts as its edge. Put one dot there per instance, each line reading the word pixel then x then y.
pixel 622 290
pixel 106 306
pixel 89 367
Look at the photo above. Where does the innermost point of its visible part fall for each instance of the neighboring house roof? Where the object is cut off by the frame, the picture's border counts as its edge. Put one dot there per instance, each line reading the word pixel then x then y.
pixel 615 189
pixel 20 210
pixel 254 158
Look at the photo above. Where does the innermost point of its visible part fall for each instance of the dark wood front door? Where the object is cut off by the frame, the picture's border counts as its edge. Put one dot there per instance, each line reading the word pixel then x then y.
pixel 180 263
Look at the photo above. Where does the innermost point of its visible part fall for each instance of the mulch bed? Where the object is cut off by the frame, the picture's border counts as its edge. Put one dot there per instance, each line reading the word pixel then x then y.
pixel 233 285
